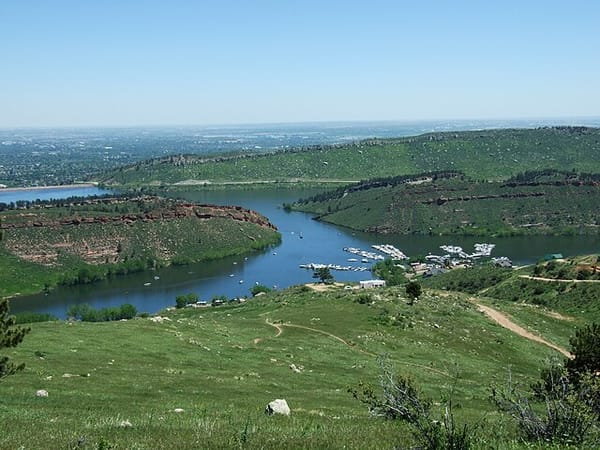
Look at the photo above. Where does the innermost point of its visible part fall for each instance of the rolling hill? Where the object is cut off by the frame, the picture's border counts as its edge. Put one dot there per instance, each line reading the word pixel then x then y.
pixel 487 154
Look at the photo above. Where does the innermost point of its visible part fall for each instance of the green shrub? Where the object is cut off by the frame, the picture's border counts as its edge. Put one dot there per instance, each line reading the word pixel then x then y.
pixel 181 301
pixel 258 288
pixel 31 317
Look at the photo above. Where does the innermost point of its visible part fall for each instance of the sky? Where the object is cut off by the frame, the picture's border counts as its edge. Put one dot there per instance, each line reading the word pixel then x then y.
pixel 129 63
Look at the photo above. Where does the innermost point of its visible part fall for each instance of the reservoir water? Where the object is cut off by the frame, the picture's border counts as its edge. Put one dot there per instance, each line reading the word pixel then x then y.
pixel 304 240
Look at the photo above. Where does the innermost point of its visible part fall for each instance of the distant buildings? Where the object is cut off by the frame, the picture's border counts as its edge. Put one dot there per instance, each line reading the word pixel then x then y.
pixel 370 284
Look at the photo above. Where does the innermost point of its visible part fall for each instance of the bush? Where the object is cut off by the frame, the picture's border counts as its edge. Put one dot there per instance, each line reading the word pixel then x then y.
pixel 181 301
pixel 87 313
pixel 258 288
pixel 401 400
pixel 569 416
pixel 585 346
pixel 31 317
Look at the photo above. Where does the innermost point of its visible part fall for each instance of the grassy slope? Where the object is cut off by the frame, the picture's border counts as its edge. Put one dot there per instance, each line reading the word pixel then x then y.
pixel 404 209
pixel 142 243
pixel 209 363
pixel 490 154
pixel 550 308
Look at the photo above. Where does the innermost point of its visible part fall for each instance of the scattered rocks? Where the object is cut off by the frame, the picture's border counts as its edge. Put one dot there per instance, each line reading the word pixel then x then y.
pixel 125 424
pixel 278 406
pixel 44 393
pixel 159 319
pixel 297 369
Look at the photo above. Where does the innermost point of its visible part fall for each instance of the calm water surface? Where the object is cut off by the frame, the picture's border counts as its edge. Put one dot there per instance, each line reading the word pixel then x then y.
pixel 303 241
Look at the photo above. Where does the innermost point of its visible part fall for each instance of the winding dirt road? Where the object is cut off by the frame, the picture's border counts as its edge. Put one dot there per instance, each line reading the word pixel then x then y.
pixel 503 320
pixel 556 280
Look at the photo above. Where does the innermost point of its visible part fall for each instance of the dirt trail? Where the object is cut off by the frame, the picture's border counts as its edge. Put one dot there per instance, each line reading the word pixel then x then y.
pixel 557 280
pixel 503 320
pixel 280 326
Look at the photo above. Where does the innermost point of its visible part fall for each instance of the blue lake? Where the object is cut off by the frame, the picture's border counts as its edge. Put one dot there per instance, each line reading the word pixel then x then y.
pixel 304 240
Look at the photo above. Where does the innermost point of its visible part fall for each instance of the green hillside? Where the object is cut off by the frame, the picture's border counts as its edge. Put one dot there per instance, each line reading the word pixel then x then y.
pixel 80 242
pixel 488 154
pixel 200 378
pixel 545 202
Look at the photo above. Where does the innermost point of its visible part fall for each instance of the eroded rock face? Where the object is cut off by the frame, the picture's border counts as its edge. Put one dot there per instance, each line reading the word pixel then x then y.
pixel 175 211
pixel 278 406
pixel 59 233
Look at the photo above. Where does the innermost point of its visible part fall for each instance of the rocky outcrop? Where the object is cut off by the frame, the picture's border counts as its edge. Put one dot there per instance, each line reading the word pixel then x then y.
pixel 174 211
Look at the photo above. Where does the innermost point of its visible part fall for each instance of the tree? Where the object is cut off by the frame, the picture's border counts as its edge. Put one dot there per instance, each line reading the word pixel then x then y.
pixel 181 301
pixel 413 289
pixel 10 336
pixel 585 347
pixel 323 274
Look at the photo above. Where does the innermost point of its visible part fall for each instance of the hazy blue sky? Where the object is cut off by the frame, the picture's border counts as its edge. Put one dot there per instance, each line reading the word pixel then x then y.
pixel 88 62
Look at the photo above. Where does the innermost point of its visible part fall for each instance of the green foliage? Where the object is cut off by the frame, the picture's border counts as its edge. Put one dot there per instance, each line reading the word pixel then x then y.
pixel 585 347
pixel 323 274
pixel 401 400
pixel 389 270
pixel 568 415
pixel 87 313
pixel 181 301
pixel 470 280
pixel 10 336
pixel 413 289
pixel 258 288
pixel 32 317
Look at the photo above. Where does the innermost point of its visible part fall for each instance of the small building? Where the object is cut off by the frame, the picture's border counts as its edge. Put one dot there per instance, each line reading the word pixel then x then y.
pixel 370 284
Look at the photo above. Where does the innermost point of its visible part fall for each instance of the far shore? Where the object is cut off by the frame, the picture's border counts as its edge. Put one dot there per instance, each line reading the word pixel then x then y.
pixel 38 188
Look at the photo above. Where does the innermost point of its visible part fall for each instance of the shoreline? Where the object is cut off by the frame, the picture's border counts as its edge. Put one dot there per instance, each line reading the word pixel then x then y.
pixel 40 188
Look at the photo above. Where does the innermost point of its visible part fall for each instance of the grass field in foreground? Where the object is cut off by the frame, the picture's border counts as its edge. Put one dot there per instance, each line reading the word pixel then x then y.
pixel 222 365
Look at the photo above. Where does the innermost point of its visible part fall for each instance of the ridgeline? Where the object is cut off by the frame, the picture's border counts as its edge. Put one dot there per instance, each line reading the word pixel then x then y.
pixel 481 155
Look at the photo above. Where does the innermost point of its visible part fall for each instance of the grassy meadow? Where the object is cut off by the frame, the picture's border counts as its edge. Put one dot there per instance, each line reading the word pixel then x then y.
pixel 201 377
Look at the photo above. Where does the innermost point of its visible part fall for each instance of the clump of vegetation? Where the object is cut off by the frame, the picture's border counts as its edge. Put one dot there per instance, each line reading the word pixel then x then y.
pixel 413 290
pixel 32 317
pixel 401 400
pixel 181 301
pixel 10 336
pixel 259 288
pixel 323 274
pixel 471 279
pixel 87 313
pixel 569 393
pixel 391 271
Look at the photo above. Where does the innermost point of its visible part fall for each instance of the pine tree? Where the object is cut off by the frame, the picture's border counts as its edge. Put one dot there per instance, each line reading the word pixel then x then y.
pixel 10 336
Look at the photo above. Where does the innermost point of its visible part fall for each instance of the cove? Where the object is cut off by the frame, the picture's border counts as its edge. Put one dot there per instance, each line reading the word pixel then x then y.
pixel 304 241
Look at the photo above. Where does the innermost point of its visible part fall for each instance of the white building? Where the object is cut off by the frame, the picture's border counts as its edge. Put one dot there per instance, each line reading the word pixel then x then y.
pixel 370 284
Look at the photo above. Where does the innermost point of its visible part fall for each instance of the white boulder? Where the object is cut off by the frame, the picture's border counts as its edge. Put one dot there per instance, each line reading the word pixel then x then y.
pixel 278 406
pixel 41 393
